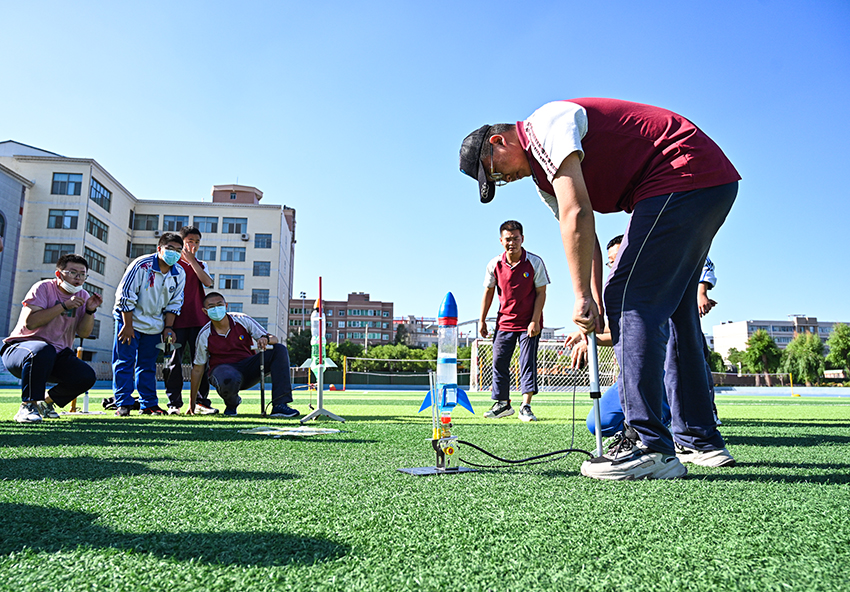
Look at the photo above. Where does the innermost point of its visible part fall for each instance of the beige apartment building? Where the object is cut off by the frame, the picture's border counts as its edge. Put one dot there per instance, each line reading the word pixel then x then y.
pixel 76 206
pixel 736 334
pixel 357 319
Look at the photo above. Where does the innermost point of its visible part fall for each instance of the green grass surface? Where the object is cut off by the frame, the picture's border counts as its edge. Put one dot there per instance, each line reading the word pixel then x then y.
pixel 187 503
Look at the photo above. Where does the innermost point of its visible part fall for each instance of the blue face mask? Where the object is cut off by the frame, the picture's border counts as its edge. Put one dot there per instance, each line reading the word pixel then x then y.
pixel 217 313
pixel 170 257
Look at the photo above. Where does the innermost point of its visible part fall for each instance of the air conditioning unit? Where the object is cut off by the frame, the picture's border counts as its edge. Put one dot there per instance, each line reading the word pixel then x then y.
pixel 157 233
pixel 246 236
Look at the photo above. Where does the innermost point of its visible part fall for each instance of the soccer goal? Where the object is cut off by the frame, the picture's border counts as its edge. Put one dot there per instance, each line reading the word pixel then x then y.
pixel 553 367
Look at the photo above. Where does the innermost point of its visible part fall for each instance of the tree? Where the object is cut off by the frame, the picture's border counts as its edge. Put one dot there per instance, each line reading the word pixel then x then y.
pixel 804 358
pixel 839 347
pixel 401 335
pixel 736 358
pixel 715 362
pixel 298 344
pixel 762 354
pixel 344 349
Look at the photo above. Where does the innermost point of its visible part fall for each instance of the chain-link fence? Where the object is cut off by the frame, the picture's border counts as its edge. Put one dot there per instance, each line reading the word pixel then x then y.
pixel 553 367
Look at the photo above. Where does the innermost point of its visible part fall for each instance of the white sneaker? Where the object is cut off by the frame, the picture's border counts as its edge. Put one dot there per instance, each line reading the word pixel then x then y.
pixel 47 411
pixel 28 413
pixel 705 458
pixel 628 459
pixel 525 413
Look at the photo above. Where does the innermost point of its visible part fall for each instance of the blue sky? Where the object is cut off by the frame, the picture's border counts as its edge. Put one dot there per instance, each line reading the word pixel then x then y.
pixel 353 114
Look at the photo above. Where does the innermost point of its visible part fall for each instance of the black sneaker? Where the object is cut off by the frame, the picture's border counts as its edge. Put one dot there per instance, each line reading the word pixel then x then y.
pixel 231 411
pixel 123 411
pixel 284 410
pixel 155 410
pixel 109 403
pixel 499 409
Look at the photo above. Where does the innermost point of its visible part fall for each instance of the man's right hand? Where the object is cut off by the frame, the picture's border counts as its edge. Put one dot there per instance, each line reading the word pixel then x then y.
pixel 482 329
pixel 586 316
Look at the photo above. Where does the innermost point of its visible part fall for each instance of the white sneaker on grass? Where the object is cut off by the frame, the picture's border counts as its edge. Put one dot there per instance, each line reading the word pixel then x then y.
pixel 28 413
pixel 525 413
pixel 628 459
pixel 47 411
pixel 705 458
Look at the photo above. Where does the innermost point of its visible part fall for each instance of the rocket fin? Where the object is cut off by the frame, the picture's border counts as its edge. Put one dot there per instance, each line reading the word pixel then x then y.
pixel 426 403
pixel 463 401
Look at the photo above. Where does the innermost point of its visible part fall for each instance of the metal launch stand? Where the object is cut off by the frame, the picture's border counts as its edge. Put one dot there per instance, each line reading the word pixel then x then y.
pixel 444 445
pixel 320 372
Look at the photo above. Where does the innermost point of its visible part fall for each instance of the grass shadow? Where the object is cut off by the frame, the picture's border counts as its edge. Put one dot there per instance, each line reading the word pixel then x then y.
pixel 89 468
pixel 790 441
pixel 50 530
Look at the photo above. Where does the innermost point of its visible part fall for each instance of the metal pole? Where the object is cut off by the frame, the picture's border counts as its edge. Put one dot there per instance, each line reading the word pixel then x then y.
pixel 595 394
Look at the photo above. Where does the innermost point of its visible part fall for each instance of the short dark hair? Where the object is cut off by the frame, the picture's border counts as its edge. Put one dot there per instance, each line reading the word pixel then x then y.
pixel 498 128
pixel 187 230
pixel 67 258
pixel 614 241
pixel 169 237
pixel 510 226
pixel 210 295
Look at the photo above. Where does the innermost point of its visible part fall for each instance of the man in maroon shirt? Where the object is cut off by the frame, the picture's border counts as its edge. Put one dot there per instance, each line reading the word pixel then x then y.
pixel 520 278
pixel 225 345
pixel 607 155
pixel 188 324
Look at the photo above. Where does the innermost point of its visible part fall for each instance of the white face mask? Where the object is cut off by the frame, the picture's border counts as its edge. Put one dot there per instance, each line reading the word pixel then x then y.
pixel 70 288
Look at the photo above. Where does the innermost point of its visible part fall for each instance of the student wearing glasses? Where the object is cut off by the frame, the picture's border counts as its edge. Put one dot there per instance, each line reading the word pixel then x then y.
pixel 148 299
pixel 39 350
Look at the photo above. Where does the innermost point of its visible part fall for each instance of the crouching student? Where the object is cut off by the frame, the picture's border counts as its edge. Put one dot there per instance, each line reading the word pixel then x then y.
pixel 225 343
pixel 40 347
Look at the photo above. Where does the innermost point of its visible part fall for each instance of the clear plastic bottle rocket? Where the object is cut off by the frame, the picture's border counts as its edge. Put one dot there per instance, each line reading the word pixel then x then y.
pixel 445 394
pixel 318 330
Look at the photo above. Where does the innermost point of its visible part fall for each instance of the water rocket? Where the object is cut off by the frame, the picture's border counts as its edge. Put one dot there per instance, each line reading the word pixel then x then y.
pixel 447 394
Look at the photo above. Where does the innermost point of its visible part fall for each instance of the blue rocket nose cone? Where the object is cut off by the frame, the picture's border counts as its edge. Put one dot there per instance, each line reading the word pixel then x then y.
pixel 449 307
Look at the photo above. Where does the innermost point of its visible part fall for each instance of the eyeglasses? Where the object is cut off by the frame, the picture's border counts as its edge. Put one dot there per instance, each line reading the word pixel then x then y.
pixel 75 275
pixel 497 178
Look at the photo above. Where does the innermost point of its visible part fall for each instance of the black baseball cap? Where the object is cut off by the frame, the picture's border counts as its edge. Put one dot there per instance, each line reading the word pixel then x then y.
pixel 470 162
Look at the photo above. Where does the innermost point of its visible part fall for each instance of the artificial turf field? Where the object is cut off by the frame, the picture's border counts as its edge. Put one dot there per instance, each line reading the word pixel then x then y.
pixel 188 503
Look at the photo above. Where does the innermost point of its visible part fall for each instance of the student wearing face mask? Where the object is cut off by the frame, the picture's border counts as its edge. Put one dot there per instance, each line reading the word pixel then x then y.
pixel 39 350
pixel 225 342
pixel 148 299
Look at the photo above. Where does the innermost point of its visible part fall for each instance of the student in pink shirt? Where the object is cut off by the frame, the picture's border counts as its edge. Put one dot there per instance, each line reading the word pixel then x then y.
pixel 39 350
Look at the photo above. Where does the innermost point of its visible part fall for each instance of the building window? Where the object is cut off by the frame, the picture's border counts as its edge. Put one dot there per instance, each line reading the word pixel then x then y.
pixel 139 250
pixel 263 322
pixel 206 253
pixel 340 324
pixel 97 229
pixel 100 195
pixel 234 307
pixel 386 313
pixel 146 222
pixel 262 268
pixel 52 251
pixel 205 224
pixel 231 282
pixel 259 296
pixel 232 196
pixel 66 184
pixel 92 289
pixel 342 313
pixel 234 225
pixel 97 262
pixel 262 241
pixel 233 253
pixel 64 219
pixel 174 223
pixel 129 248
